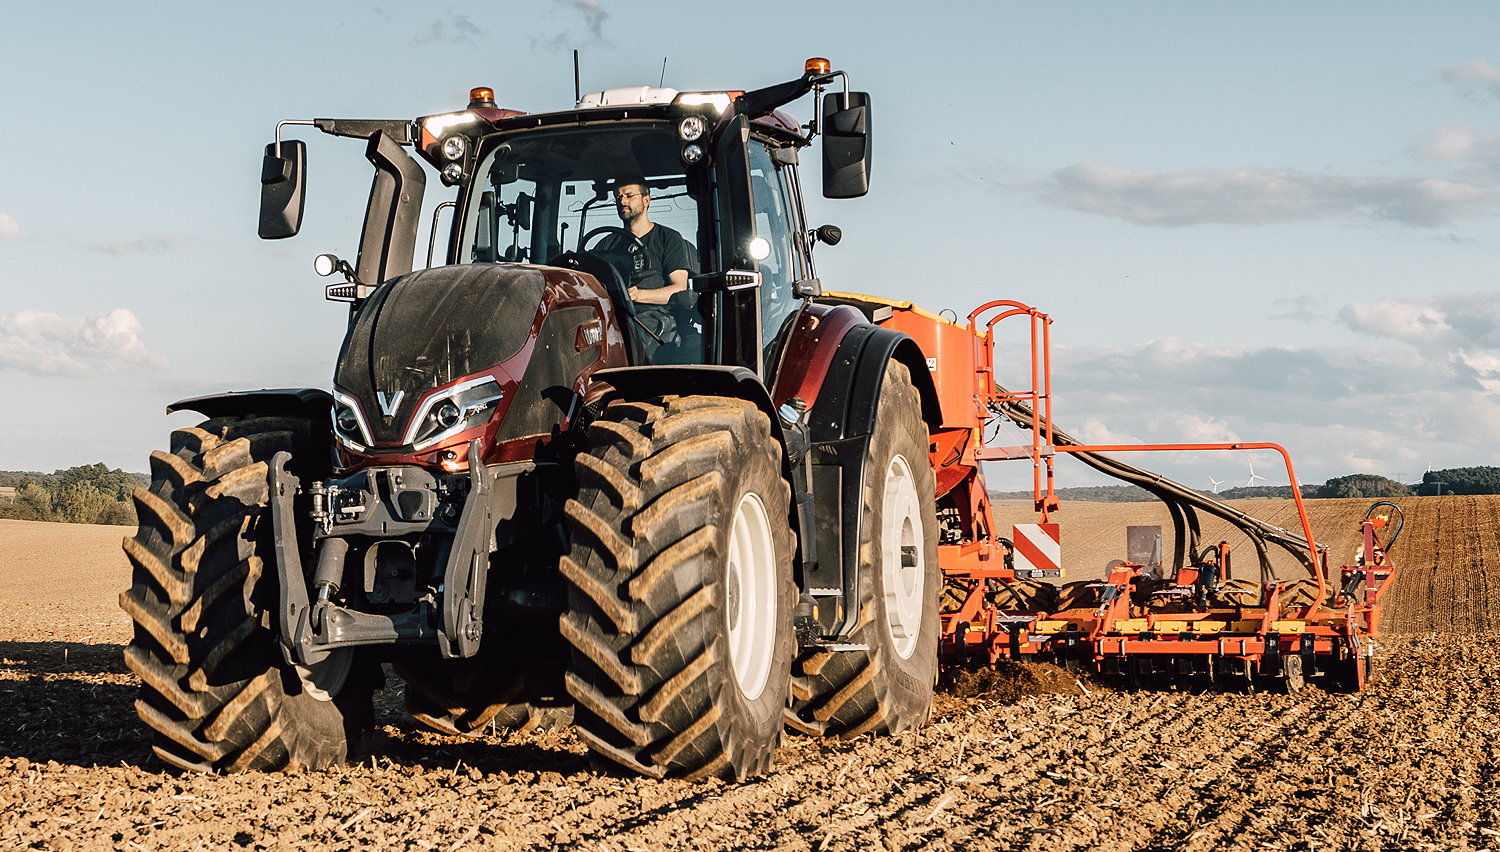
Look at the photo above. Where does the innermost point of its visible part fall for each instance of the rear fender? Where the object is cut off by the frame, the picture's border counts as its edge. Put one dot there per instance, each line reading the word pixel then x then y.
pixel 841 424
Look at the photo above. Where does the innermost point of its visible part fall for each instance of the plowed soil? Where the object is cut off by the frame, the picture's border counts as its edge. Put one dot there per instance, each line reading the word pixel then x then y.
pixel 1024 760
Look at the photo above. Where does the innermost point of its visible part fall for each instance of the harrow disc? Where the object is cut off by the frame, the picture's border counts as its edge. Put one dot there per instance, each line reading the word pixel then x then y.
pixel 1081 594
pixel 1300 593
pixel 1238 593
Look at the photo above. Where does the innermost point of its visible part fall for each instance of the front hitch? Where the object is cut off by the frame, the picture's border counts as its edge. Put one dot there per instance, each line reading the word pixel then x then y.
pixel 312 627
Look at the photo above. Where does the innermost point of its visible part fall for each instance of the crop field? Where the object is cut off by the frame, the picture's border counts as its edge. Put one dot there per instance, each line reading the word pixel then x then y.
pixel 1039 763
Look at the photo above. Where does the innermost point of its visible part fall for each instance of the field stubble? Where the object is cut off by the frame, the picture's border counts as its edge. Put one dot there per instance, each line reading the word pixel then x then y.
pixel 1411 764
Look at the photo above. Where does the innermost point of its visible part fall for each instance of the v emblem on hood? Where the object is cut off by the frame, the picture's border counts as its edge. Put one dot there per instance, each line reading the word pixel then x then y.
pixel 388 406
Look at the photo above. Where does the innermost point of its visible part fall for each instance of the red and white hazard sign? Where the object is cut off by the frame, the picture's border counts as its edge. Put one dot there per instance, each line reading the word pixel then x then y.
pixel 1038 550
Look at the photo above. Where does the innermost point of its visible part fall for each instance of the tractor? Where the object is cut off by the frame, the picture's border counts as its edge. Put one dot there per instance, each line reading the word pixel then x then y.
pixel 687 508
pixel 685 526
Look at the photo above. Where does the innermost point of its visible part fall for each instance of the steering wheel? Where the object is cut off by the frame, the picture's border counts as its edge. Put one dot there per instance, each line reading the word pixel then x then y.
pixel 609 229
pixel 604 272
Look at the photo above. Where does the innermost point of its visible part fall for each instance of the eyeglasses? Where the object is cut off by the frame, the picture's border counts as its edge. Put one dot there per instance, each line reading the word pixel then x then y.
pixel 626 196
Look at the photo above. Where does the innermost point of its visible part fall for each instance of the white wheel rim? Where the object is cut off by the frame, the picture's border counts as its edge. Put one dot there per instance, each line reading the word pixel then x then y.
pixel 750 596
pixel 903 569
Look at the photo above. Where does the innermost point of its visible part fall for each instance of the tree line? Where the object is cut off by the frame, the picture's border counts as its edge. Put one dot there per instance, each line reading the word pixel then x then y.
pixel 88 494
pixel 96 494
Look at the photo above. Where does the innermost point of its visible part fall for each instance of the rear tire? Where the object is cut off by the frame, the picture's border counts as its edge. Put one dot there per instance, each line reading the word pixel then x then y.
pixel 680 595
pixel 215 687
pixel 467 697
pixel 887 688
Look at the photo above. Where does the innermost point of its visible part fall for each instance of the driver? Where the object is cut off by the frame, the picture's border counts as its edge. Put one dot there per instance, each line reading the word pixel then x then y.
pixel 661 262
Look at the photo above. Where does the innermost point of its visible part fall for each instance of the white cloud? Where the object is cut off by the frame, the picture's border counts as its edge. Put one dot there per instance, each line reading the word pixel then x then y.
pixel 1476 76
pixel 10 229
pixel 1241 196
pixel 1195 428
pixel 142 245
pixel 1434 325
pixel 46 344
pixel 1458 144
pixel 1456 335
pixel 1095 431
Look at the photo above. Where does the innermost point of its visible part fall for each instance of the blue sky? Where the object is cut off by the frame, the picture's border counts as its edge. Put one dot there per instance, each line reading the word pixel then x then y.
pixel 1272 221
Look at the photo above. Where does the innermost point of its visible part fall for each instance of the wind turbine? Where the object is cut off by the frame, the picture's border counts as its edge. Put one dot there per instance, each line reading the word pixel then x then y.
pixel 1254 476
pixel 1216 483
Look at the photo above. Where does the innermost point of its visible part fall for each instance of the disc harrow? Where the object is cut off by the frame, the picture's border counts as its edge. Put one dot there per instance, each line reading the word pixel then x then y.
pixel 1173 617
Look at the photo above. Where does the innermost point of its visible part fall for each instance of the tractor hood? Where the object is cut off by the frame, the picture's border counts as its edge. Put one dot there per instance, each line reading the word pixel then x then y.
pixel 426 329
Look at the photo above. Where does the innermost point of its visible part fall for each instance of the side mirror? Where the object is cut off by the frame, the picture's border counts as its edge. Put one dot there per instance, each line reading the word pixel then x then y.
pixel 520 212
pixel 283 177
pixel 846 144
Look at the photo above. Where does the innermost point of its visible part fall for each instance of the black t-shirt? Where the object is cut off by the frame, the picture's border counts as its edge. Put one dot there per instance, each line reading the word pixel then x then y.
pixel 663 251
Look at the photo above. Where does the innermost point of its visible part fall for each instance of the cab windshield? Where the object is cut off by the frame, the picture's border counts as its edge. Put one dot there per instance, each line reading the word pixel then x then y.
pixel 549 197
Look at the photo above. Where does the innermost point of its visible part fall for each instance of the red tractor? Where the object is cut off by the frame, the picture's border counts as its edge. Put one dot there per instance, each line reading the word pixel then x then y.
pixel 651 478
pixel 687 523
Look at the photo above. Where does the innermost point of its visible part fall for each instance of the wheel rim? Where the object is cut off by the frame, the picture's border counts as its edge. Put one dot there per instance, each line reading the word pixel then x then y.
pixel 1292 668
pixel 750 596
pixel 323 679
pixel 903 563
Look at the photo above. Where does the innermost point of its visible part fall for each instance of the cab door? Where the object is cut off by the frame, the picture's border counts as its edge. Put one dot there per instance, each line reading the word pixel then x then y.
pixel 786 267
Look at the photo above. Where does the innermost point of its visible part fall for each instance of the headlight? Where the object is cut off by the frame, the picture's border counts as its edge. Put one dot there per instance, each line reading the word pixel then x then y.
pixel 691 128
pixel 453 172
pixel 691 154
pixel 349 422
pixel 453 410
pixel 454 147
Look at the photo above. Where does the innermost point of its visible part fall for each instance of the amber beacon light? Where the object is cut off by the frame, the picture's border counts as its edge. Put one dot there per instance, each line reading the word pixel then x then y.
pixel 817 65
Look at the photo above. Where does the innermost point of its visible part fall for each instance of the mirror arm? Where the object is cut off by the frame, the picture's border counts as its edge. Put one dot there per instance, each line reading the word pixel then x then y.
pixel 399 130
pixel 286 121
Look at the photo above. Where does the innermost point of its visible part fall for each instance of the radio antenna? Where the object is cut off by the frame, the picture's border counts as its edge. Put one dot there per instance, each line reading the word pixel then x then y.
pixel 577 92
pixel 663 73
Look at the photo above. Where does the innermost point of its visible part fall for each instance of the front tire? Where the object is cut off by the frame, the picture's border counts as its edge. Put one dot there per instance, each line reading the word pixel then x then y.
pixel 214 685
pixel 680 595
pixel 887 687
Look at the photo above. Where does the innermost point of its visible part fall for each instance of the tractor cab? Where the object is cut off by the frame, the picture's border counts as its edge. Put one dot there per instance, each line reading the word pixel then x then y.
pixel 720 170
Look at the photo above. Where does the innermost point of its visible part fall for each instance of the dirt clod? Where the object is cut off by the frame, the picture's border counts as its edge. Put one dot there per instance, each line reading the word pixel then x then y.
pixel 1008 681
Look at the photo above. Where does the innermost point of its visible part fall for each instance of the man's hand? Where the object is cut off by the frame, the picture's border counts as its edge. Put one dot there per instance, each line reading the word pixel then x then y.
pixel 658 296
